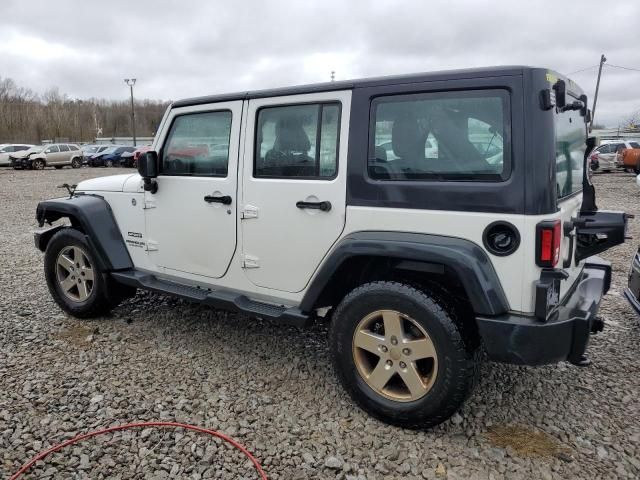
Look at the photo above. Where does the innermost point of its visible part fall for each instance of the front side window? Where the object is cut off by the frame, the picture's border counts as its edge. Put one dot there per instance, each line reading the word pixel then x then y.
pixel 449 136
pixel 297 141
pixel 198 145
pixel 52 149
pixel 570 146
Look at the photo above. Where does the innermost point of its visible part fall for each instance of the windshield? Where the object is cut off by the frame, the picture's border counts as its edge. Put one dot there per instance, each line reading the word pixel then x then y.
pixel 570 146
pixel 634 144
pixel 110 150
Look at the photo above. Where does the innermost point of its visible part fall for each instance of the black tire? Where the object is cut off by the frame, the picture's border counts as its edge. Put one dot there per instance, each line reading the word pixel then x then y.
pixel 458 356
pixel 108 163
pixel 57 167
pixel 38 164
pixel 636 169
pixel 105 293
pixel 76 163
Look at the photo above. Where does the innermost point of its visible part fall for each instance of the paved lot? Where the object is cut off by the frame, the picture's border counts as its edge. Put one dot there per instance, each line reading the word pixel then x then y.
pixel 272 388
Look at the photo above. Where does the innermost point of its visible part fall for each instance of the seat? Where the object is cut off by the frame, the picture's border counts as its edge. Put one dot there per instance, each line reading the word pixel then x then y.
pixel 289 154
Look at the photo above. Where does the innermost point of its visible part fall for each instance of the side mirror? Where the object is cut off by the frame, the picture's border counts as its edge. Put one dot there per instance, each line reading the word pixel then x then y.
pixel 148 170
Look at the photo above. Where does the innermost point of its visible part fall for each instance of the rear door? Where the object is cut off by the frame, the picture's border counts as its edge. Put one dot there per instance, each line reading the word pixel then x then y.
pixel 294 186
pixel 63 157
pixel 191 219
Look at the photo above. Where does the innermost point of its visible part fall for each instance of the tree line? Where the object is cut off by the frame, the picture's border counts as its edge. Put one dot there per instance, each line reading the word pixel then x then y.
pixel 27 117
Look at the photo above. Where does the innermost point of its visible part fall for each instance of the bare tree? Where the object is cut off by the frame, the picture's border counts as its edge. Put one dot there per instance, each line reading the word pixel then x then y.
pixel 26 117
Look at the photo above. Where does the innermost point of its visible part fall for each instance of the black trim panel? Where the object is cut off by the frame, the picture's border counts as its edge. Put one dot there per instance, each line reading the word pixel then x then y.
pixel 94 216
pixel 223 299
pixel 465 258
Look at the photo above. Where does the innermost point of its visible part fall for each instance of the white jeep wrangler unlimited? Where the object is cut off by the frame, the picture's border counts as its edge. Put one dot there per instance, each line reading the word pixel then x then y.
pixel 428 217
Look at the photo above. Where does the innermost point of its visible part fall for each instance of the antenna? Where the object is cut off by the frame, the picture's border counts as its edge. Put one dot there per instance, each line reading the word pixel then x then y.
pixel 333 75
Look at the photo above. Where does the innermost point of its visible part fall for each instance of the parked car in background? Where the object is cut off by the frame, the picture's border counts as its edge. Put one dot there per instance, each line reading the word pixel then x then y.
pixel 7 149
pixel 130 159
pixel 89 150
pixel 96 160
pixel 56 155
pixel 629 158
pixel 17 159
pixel 606 155
pixel 110 157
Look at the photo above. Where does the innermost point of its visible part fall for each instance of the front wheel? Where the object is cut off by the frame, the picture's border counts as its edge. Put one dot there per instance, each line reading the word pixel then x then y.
pixel 38 164
pixel 108 163
pixel 75 280
pixel 401 356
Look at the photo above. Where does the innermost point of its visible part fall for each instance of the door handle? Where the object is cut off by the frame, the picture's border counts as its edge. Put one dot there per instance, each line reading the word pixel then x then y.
pixel 224 199
pixel 325 206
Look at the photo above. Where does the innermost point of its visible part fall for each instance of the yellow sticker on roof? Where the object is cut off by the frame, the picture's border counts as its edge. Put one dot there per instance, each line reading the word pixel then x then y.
pixel 551 78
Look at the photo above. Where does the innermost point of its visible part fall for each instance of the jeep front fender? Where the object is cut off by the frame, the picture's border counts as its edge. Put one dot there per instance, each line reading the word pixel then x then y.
pixel 93 215
pixel 469 262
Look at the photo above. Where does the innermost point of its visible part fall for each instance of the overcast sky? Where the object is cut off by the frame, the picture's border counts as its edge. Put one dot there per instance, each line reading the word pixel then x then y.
pixel 185 48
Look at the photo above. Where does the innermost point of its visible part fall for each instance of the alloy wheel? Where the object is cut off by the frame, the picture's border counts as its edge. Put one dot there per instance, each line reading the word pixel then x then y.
pixel 395 355
pixel 74 273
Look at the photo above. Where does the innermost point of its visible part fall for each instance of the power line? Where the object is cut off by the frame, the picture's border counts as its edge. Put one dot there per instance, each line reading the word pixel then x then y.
pixel 624 68
pixel 583 69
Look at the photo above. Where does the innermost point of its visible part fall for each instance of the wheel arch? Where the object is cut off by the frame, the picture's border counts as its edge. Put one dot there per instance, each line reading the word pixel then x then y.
pixel 92 215
pixel 368 256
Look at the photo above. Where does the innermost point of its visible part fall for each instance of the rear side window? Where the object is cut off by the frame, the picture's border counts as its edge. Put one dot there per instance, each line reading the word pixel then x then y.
pixel 198 144
pixel 73 148
pixel 297 141
pixel 441 136
pixel 64 148
pixel 571 138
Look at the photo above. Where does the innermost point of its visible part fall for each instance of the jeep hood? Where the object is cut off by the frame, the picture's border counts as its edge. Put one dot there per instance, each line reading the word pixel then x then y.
pixel 112 183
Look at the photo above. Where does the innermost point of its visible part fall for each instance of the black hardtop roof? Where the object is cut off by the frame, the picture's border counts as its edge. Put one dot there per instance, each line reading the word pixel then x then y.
pixel 510 70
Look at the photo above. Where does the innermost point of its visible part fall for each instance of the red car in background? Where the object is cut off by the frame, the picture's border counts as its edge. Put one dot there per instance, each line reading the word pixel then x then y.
pixel 132 159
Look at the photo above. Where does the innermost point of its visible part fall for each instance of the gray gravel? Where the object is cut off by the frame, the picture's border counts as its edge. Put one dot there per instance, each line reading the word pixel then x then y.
pixel 272 388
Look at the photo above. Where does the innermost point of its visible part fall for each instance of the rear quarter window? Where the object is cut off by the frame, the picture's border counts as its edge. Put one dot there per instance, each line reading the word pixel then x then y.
pixel 441 136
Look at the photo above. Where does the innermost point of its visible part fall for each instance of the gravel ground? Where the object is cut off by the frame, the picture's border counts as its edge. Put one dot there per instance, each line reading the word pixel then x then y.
pixel 272 388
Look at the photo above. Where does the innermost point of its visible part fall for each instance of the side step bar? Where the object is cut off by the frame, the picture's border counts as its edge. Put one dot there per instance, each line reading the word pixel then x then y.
pixel 222 299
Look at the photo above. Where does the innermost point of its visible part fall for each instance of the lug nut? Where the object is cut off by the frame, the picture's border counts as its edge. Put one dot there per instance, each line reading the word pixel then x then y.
pixel 403 365
pixel 406 351
pixel 394 341
pixel 390 363
pixel 383 348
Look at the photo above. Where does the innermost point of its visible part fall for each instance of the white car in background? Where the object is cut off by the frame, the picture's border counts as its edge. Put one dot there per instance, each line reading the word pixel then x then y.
pixel 605 155
pixel 9 148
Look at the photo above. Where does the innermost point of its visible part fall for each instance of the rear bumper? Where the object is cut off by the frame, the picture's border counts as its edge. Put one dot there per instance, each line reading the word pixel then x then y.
pixel 563 335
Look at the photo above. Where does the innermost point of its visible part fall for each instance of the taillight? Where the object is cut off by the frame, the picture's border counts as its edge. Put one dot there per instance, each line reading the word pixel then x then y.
pixel 548 238
pixel 594 157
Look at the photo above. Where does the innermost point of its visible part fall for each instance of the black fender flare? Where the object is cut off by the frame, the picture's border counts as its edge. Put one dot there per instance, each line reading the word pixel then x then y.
pixel 468 260
pixel 93 215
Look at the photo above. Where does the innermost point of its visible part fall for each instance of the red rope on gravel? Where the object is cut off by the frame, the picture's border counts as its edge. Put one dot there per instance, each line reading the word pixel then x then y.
pixel 127 426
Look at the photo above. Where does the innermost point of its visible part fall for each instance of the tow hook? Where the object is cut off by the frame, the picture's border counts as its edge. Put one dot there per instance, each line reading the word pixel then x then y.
pixel 597 325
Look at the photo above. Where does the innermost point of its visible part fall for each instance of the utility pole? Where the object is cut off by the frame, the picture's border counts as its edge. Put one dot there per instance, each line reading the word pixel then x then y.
pixel 595 97
pixel 131 82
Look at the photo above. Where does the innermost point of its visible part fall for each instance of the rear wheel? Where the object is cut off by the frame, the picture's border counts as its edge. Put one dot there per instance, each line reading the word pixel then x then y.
pixel 38 164
pixel 76 163
pixel 75 281
pixel 401 356
pixel 108 163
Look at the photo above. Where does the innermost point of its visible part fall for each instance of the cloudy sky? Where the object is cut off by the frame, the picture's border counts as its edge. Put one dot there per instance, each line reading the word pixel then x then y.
pixel 194 47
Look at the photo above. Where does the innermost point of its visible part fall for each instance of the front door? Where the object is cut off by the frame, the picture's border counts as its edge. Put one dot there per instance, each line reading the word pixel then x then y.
pixel 294 188
pixel 191 219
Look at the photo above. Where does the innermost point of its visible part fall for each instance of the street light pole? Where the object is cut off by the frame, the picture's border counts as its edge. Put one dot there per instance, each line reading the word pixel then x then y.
pixel 595 97
pixel 131 82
